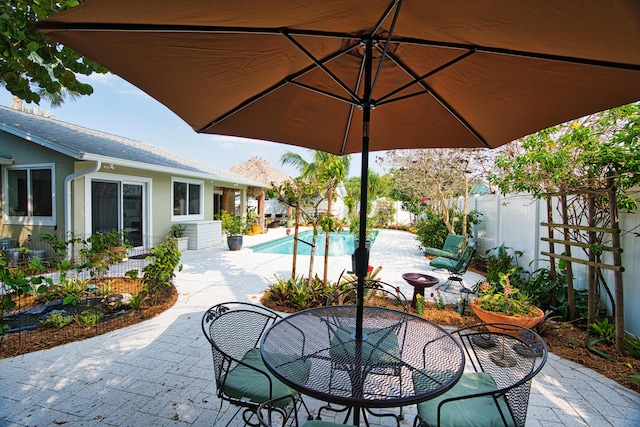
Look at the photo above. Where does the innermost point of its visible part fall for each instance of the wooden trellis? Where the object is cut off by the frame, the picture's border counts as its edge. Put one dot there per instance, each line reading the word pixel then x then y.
pixel 591 246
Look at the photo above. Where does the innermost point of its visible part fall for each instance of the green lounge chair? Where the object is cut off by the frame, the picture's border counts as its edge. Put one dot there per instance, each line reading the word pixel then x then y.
pixel 457 267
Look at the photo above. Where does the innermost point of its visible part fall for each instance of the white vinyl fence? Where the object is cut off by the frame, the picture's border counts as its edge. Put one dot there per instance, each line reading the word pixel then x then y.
pixel 514 221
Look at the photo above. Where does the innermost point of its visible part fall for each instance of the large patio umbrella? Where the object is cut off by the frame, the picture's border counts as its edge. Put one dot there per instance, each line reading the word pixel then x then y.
pixel 366 75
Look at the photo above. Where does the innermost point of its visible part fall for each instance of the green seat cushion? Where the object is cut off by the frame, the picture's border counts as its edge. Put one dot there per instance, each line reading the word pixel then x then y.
pixel 243 382
pixel 444 262
pixel 320 423
pixel 381 347
pixel 442 252
pixel 478 411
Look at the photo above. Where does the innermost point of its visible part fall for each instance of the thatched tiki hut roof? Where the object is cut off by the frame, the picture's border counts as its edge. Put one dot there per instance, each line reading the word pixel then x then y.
pixel 260 170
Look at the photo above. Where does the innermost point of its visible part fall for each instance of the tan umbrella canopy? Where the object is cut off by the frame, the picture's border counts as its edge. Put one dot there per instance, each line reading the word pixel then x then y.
pixel 260 170
pixel 366 75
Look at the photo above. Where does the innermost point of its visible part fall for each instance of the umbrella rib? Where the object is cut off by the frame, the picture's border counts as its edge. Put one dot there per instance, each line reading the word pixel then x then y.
pixel 323 92
pixel 518 53
pixel 417 79
pixel 428 90
pixel 351 110
pixel 320 64
pixel 289 79
pixel 392 27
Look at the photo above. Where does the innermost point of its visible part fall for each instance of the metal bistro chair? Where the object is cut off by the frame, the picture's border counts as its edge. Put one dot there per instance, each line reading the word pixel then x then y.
pixel 455 267
pixel 269 416
pixel 234 330
pixel 503 359
pixel 385 362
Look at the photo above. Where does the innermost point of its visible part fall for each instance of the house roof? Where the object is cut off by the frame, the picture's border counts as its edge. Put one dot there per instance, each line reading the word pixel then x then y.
pixel 92 145
pixel 260 170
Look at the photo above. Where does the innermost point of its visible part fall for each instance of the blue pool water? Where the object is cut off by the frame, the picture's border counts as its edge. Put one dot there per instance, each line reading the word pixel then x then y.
pixel 339 244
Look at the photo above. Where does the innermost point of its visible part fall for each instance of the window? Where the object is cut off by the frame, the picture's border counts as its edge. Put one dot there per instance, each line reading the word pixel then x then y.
pixel 29 194
pixel 187 199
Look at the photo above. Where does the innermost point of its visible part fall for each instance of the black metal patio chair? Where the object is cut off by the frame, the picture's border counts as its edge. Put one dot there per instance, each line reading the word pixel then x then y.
pixel 502 360
pixel 234 330
pixel 388 362
pixel 269 416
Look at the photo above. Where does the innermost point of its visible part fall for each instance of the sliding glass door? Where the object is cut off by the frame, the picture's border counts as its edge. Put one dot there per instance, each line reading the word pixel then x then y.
pixel 117 205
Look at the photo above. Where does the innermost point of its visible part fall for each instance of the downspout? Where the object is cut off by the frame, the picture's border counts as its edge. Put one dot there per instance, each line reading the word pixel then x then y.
pixel 67 193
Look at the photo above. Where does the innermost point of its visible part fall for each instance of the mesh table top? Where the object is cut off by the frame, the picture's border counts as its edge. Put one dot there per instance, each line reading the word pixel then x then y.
pixel 401 360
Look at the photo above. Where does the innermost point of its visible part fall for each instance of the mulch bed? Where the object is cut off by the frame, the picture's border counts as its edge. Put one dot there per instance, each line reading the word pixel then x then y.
pixel 17 343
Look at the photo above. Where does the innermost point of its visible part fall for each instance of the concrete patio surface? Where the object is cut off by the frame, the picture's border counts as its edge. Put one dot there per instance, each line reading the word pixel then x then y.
pixel 159 372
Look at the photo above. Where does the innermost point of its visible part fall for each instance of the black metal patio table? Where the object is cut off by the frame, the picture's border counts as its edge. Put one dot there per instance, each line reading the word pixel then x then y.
pixel 351 373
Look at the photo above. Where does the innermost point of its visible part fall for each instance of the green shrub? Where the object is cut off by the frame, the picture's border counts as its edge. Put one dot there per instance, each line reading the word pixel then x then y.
pixel 158 274
pixel 604 329
pixel 298 293
pixel 56 320
pixel 632 346
pixel 88 318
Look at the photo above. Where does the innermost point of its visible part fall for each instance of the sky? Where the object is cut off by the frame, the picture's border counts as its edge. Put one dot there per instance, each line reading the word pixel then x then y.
pixel 119 108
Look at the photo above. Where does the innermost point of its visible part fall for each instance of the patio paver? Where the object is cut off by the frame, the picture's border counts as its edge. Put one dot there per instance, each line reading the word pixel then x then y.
pixel 159 372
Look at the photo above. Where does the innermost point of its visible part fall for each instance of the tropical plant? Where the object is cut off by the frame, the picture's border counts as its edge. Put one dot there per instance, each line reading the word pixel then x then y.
pixel 88 318
pixel 232 225
pixel 604 329
pixel 509 300
pixel 176 231
pixel 158 274
pixel 298 293
pixel 326 172
pixel 438 300
pixel 56 320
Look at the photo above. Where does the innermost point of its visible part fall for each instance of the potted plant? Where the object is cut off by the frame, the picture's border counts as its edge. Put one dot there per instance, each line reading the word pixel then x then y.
pixel 254 220
pixel 506 304
pixel 176 232
pixel 233 227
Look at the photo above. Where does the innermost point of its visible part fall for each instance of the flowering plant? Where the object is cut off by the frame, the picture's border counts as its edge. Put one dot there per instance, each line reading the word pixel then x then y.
pixel 509 300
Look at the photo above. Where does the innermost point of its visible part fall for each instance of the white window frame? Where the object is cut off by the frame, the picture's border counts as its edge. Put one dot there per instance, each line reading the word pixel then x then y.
pixel 187 217
pixel 121 179
pixel 28 219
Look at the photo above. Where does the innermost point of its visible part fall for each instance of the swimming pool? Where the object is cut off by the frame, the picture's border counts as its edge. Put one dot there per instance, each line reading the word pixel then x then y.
pixel 339 244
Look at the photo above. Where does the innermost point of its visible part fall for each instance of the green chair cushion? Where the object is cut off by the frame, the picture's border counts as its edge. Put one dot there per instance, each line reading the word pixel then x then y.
pixel 442 253
pixel 320 423
pixel 478 411
pixel 381 347
pixel 451 248
pixel 243 382
pixel 444 262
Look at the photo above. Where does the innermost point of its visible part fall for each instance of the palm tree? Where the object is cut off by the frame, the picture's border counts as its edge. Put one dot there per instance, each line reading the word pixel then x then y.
pixel 327 171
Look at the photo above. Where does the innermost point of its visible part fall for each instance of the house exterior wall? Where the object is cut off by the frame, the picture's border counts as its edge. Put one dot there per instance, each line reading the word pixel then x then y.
pixel 31 154
pixel 158 186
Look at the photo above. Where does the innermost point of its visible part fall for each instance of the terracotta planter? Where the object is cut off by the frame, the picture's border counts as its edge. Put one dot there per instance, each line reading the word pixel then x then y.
pixel 496 317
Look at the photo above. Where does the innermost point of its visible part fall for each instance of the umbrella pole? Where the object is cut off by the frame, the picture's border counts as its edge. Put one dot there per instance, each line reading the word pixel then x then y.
pixel 361 252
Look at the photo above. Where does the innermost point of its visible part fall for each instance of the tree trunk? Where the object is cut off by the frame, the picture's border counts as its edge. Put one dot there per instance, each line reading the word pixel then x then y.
pixel 326 243
pixel 313 249
pixel 552 261
pixel 617 261
pixel 592 280
pixel 571 299
pixel 295 243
